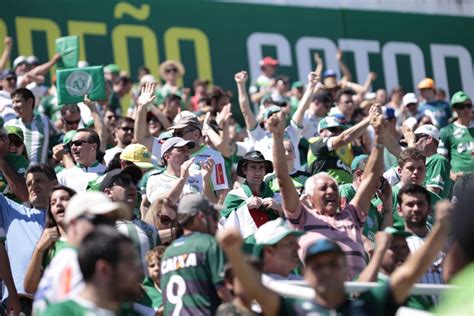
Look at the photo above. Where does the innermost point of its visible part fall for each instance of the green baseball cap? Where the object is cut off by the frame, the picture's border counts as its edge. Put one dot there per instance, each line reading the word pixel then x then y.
pixel 459 97
pixel 297 85
pixel 15 130
pixel 357 162
pixel 271 110
pixel 271 233
pixel 397 232
pixel 328 122
pixel 112 68
pixel 68 136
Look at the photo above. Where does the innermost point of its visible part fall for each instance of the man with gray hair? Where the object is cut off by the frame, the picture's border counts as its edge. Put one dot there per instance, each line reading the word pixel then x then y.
pixel 318 214
pixel 192 268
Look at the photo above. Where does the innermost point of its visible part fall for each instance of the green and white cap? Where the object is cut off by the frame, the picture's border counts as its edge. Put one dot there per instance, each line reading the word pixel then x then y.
pixel 459 97
pixel 328 122
pixel 273 232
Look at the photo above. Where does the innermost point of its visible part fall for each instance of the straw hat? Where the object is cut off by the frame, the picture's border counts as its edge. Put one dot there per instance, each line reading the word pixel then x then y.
pixel 171 63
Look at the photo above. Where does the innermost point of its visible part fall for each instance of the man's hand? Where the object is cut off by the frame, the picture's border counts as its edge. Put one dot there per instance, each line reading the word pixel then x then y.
pixel 313 78
pixel 443 211
pixel 383 240
pixel 88 101
pixel 207 167
pixel 408 135
pixel 271 204
pixel 185 168
pixel 58 152
pixel 377 123
pixel 8 41
pixel 13 304
pixel 49 236
pixel 241 77
pixel 147 94
pixel 276 124
pixel 230 240
pixel 384 192
pixel 339 55
pixel 375 110
pixel 372 76
pixel 254 203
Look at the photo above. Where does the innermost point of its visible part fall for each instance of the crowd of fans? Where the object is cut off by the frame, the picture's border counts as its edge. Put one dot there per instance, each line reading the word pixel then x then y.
pixel 174 207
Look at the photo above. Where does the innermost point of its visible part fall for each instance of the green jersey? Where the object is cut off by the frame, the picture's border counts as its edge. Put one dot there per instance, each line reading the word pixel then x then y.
pixel 437 174
pixel 457 144
pixel 377 301
pixel 373 223
pixel 298 177
pixel 152 296
pixel 19 164
pixel 398 221
pixel 192 269
pixel 80 307
pixel 459 301
pixel 58 245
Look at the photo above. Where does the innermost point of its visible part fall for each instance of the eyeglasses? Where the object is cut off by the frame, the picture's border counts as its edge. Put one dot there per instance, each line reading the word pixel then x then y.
pixel 181 133
pixel 171 70
pixel 80 142
pixel 127 129
pixel 462 106
pixel 72 122
pixel 15 141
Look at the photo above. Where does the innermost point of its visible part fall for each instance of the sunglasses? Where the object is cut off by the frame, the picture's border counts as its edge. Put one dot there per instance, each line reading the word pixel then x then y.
pixel 72 122
pixel 80 142
pixel 171 70
pixel 127 129
pixel 462 106
pixel 15 142
pixel 181 133
pixel 334 129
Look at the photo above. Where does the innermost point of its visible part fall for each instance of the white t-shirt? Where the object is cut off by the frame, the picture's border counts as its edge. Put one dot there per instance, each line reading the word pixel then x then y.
pixel 156 152
pixel 163 182
pixel 310 125
pixel 78 177
pixel 219 175
pixel 61 279
pixel 110 153
pixel 392 176
pixel 262 141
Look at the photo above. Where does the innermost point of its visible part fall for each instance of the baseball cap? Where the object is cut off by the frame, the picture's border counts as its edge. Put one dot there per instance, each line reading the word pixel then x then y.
pixel 322 246
pixel 93 203
pixel 32 60
pixel 328 122
pixel 138 154
pixel 397 232
pixel 147 79
pixel 272 109
pixel 15 130
pixel 112 68
pixel 297 84
pixel 133 171
pixel 18 61
pixel 459 97
pixel 82 64
pixel 68 136
pixel 273 232
pixel 429 130
pixel 388 113
pixel 409 98
pixel 426 83
pixel 175 142
pixel 191 204
pixel 268 61
pixel 185 121
pixel 7 74
pixel 358 161
pixel 329 73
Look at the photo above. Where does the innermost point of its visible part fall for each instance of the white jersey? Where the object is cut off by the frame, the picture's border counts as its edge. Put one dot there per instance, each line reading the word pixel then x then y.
pixel 262 141
pixel 161 183
pixel 143 235
pixel 219 175
pixel 310 125
pixel 78 177
pixel 61 279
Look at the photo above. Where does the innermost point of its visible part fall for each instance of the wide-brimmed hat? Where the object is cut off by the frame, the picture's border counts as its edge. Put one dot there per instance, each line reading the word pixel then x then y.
pixel 171 63
pixel 254 156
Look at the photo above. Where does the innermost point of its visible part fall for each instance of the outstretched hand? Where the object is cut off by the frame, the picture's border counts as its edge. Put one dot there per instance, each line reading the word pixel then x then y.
pixel 147 94
pixel 313 78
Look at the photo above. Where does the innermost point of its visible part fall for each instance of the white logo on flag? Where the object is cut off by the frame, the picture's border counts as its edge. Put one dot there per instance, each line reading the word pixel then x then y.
pixel 78 83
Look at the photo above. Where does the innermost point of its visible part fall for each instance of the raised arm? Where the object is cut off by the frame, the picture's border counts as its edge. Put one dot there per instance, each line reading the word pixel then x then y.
pixel 346 74
pixel 417 264
pixel 231 242
pixel 313 80
pixel 42 69
pixel 6 52
pixel 355 131
pixel 319 64
pixel 207 167
pixel 98 123
pixel 373 170
pixel 175 192
pixel 382 243
pixel 288 191
pixel 249 117
pixel 147 96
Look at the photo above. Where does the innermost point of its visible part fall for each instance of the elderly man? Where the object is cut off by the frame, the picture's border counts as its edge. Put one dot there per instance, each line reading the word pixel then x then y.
pixel 318 215
pixel 84 146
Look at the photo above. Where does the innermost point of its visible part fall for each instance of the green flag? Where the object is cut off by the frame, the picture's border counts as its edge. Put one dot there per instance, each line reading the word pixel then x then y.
pixel 68 47
pixel 73 84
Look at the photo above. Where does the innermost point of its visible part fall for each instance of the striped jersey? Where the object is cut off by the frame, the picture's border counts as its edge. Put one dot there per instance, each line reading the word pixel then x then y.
pixel 192 269
pixel 37 136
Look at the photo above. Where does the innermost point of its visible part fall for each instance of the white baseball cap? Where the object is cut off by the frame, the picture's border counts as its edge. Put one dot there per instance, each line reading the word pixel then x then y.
pixel 93 203
pixel 409 98
pixel 429 130
pixel 274 231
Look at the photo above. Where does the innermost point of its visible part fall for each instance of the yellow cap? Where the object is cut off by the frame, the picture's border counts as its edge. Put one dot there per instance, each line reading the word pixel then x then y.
pixel 426 83
pixel 138 154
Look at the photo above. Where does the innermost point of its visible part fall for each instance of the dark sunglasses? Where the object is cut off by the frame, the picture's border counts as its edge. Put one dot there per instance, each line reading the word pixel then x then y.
pixel 80 142
pixel 123 182
pixel 11 79
pixel 15 141
pixel 72 122
pixel 127 129
pixel 334 129
pixel 181 133
pixel 171 70
pixel 462 106
pixel 97 219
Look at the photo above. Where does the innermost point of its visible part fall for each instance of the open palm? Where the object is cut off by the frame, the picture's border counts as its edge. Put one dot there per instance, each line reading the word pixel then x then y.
pixel 147 94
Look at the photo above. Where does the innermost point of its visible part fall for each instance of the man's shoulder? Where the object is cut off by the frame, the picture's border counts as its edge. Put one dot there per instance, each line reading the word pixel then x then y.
pixel 190 243
pixel 437 159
